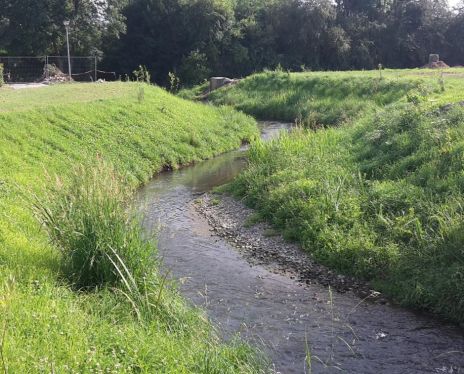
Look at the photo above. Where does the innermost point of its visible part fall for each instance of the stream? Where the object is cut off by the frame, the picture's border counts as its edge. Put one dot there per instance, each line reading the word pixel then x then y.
pixel 288 321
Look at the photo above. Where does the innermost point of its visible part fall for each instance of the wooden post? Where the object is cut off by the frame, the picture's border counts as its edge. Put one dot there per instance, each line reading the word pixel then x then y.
pixel 47 72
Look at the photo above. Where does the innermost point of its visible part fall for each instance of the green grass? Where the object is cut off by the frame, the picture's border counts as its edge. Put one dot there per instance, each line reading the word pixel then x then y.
pixel 195 92
pixel 324 99
pixel 381 197
pixel 43 97
pixel 80 299
pixel 88 221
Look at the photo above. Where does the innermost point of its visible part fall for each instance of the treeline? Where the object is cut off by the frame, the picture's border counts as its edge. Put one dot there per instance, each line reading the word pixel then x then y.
pixel 197 38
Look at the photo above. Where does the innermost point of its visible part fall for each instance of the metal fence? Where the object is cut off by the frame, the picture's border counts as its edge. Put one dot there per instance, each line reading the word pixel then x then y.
pixel 25 69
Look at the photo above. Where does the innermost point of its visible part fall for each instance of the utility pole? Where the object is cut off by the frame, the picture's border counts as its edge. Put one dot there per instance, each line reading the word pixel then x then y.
pixel 66 24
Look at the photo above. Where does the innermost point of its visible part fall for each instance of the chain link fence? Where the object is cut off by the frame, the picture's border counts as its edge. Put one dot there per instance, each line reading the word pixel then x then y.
pixel 24 69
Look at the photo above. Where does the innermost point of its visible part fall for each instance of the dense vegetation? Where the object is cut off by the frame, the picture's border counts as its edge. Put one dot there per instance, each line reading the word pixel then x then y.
pixel 198 38
pixel 381 197
pixel 332 98
pixel 88 297
pixel 313 99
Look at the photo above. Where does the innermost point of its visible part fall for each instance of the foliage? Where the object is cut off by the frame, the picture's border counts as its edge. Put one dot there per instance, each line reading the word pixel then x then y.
pixel 194 67
pixel 40 31
pixel 198 38
pixel 134 323
pixel 142 74
pixel 380 198
pixel 236 38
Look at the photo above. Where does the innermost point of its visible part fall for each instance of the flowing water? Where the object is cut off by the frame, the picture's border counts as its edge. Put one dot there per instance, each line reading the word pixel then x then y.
pixel 290 322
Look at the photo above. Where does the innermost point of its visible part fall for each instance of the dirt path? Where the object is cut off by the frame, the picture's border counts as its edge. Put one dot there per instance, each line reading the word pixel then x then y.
pixel 22 86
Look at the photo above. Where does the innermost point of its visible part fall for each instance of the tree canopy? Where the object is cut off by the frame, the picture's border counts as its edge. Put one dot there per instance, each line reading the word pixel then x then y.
pixel 198 38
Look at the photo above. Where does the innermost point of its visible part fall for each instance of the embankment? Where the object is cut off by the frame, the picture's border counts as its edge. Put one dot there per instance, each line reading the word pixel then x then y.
pixel 48 326
pixel 381 197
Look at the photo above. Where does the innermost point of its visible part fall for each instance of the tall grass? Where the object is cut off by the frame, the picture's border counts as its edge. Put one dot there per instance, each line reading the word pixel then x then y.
pixel 321 99
pixel 101 240
pixel 87 220
pixel 382 199
pixel 312 99
pixel 382 196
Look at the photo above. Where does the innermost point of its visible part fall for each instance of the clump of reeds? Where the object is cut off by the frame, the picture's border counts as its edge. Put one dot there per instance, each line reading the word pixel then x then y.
pixel 88 220
pixel 100 240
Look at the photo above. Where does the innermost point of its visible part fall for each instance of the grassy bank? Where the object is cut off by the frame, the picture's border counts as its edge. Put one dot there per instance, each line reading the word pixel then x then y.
pixel 381 197
pixel 333 98
pixel 111 312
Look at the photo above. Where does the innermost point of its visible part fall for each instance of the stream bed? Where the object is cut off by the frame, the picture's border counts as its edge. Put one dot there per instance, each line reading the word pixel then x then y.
pixel 289 321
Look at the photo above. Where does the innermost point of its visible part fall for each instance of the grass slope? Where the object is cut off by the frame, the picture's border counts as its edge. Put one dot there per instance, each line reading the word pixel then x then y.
pixel 323 98
pixel 45 325
pixel 381 197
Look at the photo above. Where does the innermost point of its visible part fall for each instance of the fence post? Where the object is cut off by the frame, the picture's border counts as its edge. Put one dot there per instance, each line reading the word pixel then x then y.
pixel 46 68
pixel 95 68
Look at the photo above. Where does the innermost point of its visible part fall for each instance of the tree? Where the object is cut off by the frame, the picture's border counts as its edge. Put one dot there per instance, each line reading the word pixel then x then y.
pixel 197 38
pixel 35 27
pixel 167 35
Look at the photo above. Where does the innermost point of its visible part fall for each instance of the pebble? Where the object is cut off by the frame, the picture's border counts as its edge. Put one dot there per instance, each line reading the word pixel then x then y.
pixel 279 256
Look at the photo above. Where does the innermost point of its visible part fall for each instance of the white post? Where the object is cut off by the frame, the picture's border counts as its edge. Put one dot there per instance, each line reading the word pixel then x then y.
pixel 66 24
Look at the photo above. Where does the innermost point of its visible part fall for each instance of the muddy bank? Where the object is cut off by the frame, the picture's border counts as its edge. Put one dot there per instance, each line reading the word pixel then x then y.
pixel 261 245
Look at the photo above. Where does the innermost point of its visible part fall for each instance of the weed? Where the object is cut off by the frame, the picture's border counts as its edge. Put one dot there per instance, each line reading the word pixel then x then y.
pixel 141 94
pixel 252 220
pixel 87 220
pixel 308 358
pixel 142 74
pixel 441 81
pixel 174 82
pixel 271 232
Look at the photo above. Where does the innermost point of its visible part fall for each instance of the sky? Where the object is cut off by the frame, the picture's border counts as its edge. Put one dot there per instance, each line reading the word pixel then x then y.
pixel 453 2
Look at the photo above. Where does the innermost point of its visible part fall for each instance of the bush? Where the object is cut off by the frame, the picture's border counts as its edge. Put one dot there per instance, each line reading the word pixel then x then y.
pixel 100 243
pixel 194 68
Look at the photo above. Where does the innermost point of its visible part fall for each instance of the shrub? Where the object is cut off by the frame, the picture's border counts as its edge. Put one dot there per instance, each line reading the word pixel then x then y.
pixel 194 67
pixel 101 243
pixel 142 74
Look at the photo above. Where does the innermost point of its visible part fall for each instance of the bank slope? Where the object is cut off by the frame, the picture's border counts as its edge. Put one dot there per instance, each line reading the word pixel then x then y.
pixel 317 99
pixel 381 197
pixel 45 324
